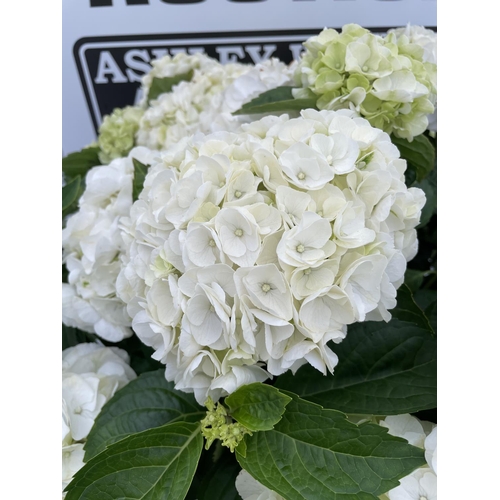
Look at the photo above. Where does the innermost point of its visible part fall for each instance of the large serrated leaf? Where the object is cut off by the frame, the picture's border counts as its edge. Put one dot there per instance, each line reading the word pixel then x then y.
pixel 383 369
pixel 163 85
pixel 80 162
pixel 146 402
pixel 275 100
pixel 419 154
pixel 157 464
pixel 257 406
pixel 315 453
pixel 408 310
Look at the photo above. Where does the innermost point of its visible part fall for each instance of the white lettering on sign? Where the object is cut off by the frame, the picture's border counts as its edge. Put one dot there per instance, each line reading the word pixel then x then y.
pixel 230 54
pixel 107 66
pixel 138 60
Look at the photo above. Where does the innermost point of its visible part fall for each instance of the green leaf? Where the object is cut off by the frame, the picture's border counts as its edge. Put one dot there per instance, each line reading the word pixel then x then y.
pixel 157 464
pixel 427 301
pixel 163 85
pixel 81 162
pixel 408 310
pixel 313 453
pixel 414 279
pixel 140 171
pixel 275 100
pixel 419 154
pixel 429 187
pixel 70 193
pixel 257 406
pixel 383 369
pixel 146 402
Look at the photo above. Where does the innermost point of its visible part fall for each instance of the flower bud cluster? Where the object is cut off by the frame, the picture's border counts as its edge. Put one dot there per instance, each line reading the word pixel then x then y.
pixel 218 425
pixel 91 374
pixel 92 245
pixel 249 252
pixel 390 81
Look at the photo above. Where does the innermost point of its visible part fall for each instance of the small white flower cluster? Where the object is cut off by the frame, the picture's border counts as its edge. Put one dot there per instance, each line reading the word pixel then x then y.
pixel 390 81
pixel 260 247
pixel 168 67
pixel 92 245
pixel 205 102
pixel 91 374
pixel 421 484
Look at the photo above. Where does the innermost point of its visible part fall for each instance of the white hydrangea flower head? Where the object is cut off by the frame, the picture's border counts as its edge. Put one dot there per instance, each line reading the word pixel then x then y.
pixel 92 246
pixel 117 133
pixel 91 374
pixel 168 67
pixel 390 81
pixel 250 489
pixel 206 102
pixel 249 251
pixel 421 484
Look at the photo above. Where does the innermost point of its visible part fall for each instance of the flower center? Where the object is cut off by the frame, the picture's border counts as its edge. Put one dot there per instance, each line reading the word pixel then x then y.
pixel 337 66
pixel 222 183
pixel 329 158
pixel 423 498
pixel 365 68
pixel 307 271
pixel 237 194
pixel 320 213
pixel 301 176
pixel 211 243
pixel 238 232
pixel 300 248
pixel 266 287
pixel 77 410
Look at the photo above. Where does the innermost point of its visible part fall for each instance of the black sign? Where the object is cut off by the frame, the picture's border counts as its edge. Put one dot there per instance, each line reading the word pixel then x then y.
pixel 111 68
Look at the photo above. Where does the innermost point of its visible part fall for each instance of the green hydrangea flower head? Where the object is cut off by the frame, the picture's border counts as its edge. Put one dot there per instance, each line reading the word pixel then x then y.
pixel 117 133
pixel 390 81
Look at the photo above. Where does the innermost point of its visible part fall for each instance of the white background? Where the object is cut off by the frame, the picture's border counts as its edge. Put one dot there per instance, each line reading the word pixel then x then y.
pixel 80 20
